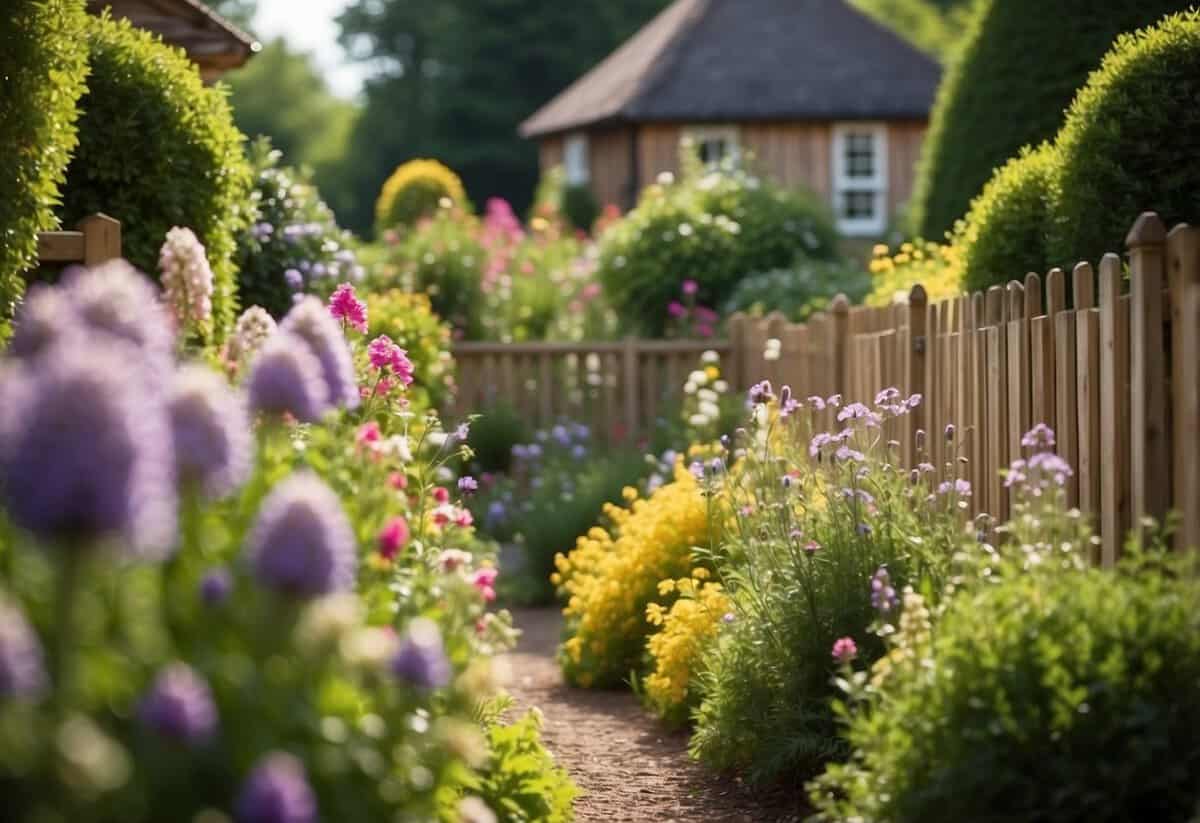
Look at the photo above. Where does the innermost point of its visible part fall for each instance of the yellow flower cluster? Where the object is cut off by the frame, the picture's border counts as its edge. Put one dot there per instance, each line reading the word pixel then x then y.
pixel 612 574
pixel 938 267
pixel 414 190
pixel 685 630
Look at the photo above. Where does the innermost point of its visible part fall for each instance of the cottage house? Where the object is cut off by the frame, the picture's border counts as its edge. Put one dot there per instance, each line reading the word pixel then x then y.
pixel 817 93
pixel 213 43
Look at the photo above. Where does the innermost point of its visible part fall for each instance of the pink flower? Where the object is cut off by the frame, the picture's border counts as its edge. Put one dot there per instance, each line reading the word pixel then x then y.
pixel 368 435
pixel 393 537
pixel 676 309
pixel 397 480
pixel 463 519
pixel 345 306
pixel 590 292
pixel 706 315
pixel 845 649
pixel 485 580
pixel 443 514
pixel 441 495
pixel 690 287
pixel 704 331
pixel 451 559
pixel 384 354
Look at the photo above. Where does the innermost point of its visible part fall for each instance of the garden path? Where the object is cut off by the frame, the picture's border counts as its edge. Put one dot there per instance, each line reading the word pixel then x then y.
pixel 628 766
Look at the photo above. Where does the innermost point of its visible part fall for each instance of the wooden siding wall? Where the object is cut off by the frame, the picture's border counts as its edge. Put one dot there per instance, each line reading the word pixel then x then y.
pixel 608 159
pixel 550 153
pixel 658 151
pixel 792 154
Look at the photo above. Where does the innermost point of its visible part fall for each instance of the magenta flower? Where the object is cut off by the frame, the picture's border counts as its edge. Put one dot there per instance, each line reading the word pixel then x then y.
pixel 485 580
pixel 393 537
pixel 384 354
pixel 344 305
pixel 676 309
pixel 845 649
pixel 690 287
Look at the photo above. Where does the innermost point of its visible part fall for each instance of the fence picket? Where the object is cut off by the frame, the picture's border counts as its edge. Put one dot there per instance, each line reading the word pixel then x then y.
pixel 1183 256
pixel 1114 411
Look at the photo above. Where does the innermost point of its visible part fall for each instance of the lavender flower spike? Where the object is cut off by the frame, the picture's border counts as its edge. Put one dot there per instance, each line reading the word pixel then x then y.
pixel 179 706
pixel 421 660
pixel 22 670
pixel 85 450
pixel 310 321
pixel 301 544
pixel 286 377
pixel 44 317
pixel 117 299
pixel 277 791
pixel 211 431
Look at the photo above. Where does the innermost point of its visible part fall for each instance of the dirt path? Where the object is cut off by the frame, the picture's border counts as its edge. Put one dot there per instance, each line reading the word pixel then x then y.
pixel 629 767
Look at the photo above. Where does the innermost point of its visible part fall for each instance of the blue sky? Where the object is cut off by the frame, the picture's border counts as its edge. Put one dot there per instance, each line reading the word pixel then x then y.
pixel 308 25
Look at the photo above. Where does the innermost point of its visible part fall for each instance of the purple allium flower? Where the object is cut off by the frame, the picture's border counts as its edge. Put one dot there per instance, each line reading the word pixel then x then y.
pixel 216 586
pixel 179 706
pixel 287 377
pixel 43 317
pixel 211 432
pixel 117 299
pixel 301 543
pixel 468 485
pixel 294 279
pixel 85 449
pixel 310 321
pixel 187 278
pixel 277 791
pixel 844 649
pixel 883 594
pixel 421 660
pixel 22 670
pixel 1040 437
pixel 959 487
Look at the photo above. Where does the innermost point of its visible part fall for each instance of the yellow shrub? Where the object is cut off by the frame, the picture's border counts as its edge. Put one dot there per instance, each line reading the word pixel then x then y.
pixel 414 190
pixel 938 267
pixel 611 576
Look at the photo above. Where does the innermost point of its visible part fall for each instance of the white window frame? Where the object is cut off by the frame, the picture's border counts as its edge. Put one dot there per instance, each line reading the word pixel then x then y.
pixel 729 133
pixel 576 163
pixel 877 183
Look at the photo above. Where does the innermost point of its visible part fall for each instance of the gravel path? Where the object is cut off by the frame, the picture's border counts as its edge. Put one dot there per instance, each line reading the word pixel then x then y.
pixel 628 766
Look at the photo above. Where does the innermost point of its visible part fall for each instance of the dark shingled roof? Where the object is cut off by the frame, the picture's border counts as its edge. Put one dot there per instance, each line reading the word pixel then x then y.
pixel 739 60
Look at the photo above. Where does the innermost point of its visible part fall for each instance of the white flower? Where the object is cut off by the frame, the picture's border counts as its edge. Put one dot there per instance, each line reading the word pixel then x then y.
pixel 761 416
pixel 721 387
pixel 708 395
pixel 698 420
pixel 665 178
pixel 710 409
pixel 710 357
pixel 187 278
pixel 698 377
pixel 689 387
pixel 437 439
pixel 397 446
pixel 771 354
pixel 685 230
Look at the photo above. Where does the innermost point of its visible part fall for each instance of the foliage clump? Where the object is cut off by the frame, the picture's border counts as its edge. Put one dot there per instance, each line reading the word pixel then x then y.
pixel 800 290
pixel 157 149
pixel 413 191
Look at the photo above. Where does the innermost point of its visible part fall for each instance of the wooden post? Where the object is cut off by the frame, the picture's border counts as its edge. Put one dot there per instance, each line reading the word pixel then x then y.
pixel 1019 314
pixel 101 239
pixel 914 370
pixel 997 379
pixel 1114 411
pixel 738 378
pixel 1087 386
pixel 839 342
pixel 1063 410
pixel 776 330
pixel 629 375
pixel 1150 481
pixel 1183 260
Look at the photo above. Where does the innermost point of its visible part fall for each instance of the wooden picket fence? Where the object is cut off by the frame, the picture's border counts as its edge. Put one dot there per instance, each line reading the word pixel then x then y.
pixel 1118 377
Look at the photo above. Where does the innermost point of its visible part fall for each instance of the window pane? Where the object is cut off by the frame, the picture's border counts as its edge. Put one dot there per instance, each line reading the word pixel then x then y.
pixel 858 205
pixel 712 150
pixel 859 154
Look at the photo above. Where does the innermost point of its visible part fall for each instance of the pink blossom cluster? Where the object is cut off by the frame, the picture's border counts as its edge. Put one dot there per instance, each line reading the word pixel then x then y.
pixel 692 319
pixel 187 278
pixel 345 306
pixel 392 363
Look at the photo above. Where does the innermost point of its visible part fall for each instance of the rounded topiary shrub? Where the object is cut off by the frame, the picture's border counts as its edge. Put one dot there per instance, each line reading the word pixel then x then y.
pixel 1020 64
pixel 1131 142
pixel 1004 234
pixel 714 228
pixel 579 206
pixel 293 243
pixel 43 72
pixel 414 191
pixel 1055 696
pixel 157 149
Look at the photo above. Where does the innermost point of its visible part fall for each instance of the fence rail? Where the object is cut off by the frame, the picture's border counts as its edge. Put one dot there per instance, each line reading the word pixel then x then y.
pixel 97 239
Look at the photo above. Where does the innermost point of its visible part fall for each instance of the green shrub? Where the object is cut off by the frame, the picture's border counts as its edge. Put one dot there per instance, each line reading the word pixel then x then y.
pixel 409 320
pixel 998 96
pixel 158 149
pixel 521 782
pixel 292 234
pixel 1004 235
pixel 493 436
pixel 579 206
pixel 1129 143
pixel 43 70
pixel 414 191
pixel 714 228
pixel 804 288
pixel 1049 697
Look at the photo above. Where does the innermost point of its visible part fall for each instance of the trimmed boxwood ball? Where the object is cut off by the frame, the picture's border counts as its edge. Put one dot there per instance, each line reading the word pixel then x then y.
pixel 580 207
pixel 157 149
pixel 1130 142
pixel 43 71
pixel 414 191
pixel 1004 235
pixel 1053 696
pixel 1019 67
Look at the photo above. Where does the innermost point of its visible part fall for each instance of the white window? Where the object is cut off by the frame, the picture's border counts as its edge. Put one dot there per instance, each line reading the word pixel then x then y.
pixel 714 143
pixel 575 159
pixel 860 178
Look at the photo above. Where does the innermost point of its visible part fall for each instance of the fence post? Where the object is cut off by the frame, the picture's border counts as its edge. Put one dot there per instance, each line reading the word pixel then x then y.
pixel 629 376
pixel 1150 482
pixel 737 351
pixel 1087 386
pixel 914 369
pixel 101 239
pixel 1183 255
pixel 1114 410
pixel 839 340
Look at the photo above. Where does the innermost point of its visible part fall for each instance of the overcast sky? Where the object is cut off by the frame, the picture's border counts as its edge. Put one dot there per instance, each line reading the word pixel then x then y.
pixel 308 25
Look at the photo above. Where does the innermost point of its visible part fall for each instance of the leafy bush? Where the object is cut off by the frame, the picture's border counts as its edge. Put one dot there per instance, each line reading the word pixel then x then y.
pixel 157 149
pixel 292 244
pixel 1004 234
pixel 522 783
pixel 408 319
pixel 714 228
pixel 1127 143
pixel 492 437
pixel 414 191
pixel 800 290
pixel 994 99
pixel 579 206
pixel 43 70
pixel 936 266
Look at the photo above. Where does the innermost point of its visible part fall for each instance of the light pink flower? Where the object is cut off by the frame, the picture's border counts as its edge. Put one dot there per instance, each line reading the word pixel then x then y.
pixel 485 580
pixel 690 287
pixel 344 305
pixel 845 649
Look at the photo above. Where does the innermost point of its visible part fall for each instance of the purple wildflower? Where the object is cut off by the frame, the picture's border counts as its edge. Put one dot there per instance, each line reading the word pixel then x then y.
pixel 761 393
pixel 294 279
pixel 887 397
pixel 22 670
pixel 277 791
pixel 1040 437
pixel 960 488
pixel 216 586
pixel 302 544
pixel 211 432
pixel 286 377
pixel 697 469
pixel 421 660
pixel 310 321
pixel 818 442
pixel 468 485
pixel 857 411
pixel 883 594
pixel 179 706
pixel 79 478
pixel 833 400
pixel 117 299
pixel 914 400
pixel 845 453
pixel 949 432
pixel 43 317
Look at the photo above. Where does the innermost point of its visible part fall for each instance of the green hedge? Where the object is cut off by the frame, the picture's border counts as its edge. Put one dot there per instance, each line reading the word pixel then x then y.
pixel 1131 142
pixel 1021 63
pixel 43 71
pixel 157 148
